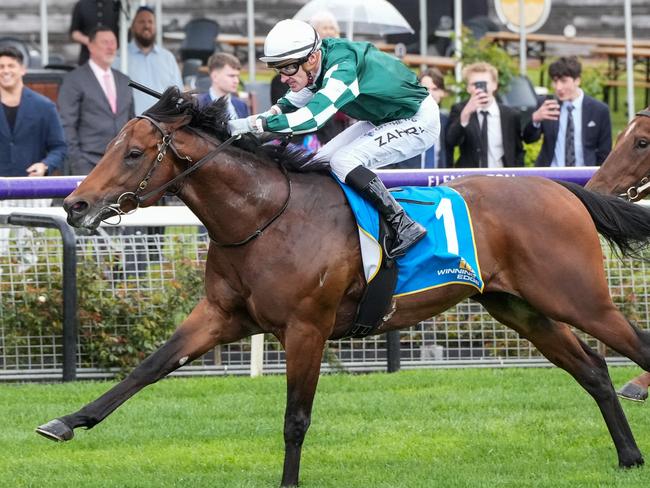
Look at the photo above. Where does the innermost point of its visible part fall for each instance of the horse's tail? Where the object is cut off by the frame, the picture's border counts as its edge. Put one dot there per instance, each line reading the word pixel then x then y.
pixel 624 225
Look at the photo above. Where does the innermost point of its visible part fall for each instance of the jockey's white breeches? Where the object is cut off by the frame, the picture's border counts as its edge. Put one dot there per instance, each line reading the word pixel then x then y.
pixel 364 143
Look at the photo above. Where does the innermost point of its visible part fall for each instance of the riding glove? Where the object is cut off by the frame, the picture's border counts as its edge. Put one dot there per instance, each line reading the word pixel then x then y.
pixel 253 123
pixel 241 126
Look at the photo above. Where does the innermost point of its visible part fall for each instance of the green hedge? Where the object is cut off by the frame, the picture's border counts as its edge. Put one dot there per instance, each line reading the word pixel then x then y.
pixel 115 329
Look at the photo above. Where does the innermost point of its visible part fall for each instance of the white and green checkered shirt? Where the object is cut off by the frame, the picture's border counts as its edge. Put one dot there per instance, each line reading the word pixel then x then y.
pixel 357 79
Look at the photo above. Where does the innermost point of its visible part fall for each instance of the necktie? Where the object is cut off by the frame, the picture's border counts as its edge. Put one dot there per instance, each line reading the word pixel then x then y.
pixel 110 92
pixel 569 145
pixel 484 140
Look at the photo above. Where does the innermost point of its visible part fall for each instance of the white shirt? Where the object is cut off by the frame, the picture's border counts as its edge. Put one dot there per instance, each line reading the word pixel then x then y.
pixel 99 74
pixel 559 154
pixel 494 136
pixel 156 69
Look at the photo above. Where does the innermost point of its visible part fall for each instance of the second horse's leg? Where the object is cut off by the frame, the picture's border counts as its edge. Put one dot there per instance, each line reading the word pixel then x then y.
pixel 204 328
pixel 636 389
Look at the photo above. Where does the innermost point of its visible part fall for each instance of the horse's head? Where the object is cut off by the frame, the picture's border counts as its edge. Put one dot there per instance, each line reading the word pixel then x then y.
pixel 143 157
pixel 626 171
pixel 137 159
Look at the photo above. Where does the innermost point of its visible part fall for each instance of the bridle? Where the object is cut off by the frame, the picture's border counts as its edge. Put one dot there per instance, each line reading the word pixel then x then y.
pixel 633 192
pixel 136 198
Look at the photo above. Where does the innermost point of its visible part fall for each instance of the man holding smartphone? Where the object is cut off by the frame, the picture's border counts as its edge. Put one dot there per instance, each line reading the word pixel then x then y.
pixel 487 132
pixel 577 128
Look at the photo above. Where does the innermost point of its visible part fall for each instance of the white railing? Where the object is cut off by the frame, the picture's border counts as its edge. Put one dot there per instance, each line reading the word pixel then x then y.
pixel 143 265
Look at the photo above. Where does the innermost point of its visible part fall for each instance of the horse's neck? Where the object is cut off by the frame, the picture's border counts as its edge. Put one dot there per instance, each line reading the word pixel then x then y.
pixel 233 197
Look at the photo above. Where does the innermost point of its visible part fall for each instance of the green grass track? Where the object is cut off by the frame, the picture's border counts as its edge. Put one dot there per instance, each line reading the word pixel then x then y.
pixel 427 428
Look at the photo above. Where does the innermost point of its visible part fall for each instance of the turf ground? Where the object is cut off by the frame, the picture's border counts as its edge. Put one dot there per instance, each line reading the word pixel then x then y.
pixel 443 428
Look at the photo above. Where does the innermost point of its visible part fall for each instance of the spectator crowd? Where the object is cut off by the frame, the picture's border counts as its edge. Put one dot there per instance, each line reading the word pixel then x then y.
pixel 40 138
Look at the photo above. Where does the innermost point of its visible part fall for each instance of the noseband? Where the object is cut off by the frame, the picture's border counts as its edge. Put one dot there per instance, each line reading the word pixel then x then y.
pixel 633 192
pixel 167 142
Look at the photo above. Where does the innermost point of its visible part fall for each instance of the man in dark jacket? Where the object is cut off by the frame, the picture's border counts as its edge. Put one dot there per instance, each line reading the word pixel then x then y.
pixel 224 74
pixel 31 136
pixel 487 132
pixel 577 128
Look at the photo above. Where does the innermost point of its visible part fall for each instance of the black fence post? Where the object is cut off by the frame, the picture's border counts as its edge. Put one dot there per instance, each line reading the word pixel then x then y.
pixel 393 351
pixel 70 318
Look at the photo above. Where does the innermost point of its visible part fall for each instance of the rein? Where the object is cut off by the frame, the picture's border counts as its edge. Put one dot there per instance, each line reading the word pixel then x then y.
pixel 167 142
pixel 261 229
pixel 633 192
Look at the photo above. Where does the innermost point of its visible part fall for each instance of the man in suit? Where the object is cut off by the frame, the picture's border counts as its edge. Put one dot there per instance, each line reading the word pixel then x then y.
pixel 31 136
pixel 224 74
pixel 577 128
pixel 492 140
pixel 95 102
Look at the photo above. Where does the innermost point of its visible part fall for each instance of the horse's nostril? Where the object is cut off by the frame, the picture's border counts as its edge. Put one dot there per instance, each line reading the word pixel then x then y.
pixel 78 207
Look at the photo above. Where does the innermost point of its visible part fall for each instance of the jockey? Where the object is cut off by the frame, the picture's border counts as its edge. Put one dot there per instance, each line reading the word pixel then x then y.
pixel 397 118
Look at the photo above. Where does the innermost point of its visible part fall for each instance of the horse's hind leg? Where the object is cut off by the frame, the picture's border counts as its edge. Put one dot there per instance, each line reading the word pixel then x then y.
pixel 202 330
pixel 594 313
pixel 574 289
pixel 561 346
pixel 601 319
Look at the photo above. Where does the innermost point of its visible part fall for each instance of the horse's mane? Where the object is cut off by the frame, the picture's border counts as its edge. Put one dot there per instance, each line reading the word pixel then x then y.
pixel 213 120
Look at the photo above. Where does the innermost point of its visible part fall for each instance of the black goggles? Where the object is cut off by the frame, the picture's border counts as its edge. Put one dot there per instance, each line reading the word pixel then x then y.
pixel 289 69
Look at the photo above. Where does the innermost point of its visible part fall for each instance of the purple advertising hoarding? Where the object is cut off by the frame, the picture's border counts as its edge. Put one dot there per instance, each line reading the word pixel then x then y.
pixel 62 186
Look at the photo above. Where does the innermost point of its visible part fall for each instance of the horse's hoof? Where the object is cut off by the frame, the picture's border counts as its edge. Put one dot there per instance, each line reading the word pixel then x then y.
pixel 632 391
pixel 636 463
pixel 55 430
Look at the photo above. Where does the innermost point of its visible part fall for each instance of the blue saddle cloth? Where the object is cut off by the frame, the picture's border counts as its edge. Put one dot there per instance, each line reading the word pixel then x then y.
pixel 446 255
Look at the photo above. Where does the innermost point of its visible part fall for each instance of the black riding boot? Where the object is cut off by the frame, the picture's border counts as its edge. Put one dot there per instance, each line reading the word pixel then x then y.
pixel 407 231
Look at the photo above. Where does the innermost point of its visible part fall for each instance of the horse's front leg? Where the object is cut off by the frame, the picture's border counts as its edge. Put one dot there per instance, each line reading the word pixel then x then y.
pixel 303 344
pixel 205 327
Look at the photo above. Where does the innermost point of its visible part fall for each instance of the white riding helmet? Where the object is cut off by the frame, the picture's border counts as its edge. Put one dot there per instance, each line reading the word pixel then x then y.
pixel 290 40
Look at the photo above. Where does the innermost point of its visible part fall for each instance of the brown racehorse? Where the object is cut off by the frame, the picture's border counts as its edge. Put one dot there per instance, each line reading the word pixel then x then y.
pixel 626 172
pixel 300 278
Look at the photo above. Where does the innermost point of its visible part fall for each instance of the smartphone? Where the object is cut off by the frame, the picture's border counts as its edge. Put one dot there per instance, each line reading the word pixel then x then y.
pixel 481 85
pixel 555 99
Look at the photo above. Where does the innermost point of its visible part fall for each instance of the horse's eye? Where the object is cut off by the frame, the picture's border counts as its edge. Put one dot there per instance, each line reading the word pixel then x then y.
pixel 134 154
pixel 642 143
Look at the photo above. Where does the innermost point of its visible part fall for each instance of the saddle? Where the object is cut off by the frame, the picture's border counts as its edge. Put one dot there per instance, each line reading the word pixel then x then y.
pixel 446 255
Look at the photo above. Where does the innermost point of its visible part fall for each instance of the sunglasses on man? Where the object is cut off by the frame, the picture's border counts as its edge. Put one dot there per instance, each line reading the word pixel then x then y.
pixel 291 68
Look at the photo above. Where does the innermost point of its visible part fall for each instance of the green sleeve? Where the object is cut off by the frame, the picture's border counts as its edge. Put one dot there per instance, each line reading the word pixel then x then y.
pixel 340 86
pixel 286 106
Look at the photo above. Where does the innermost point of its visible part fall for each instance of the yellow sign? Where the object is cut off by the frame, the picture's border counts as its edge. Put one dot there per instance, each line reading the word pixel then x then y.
pixel 535 13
